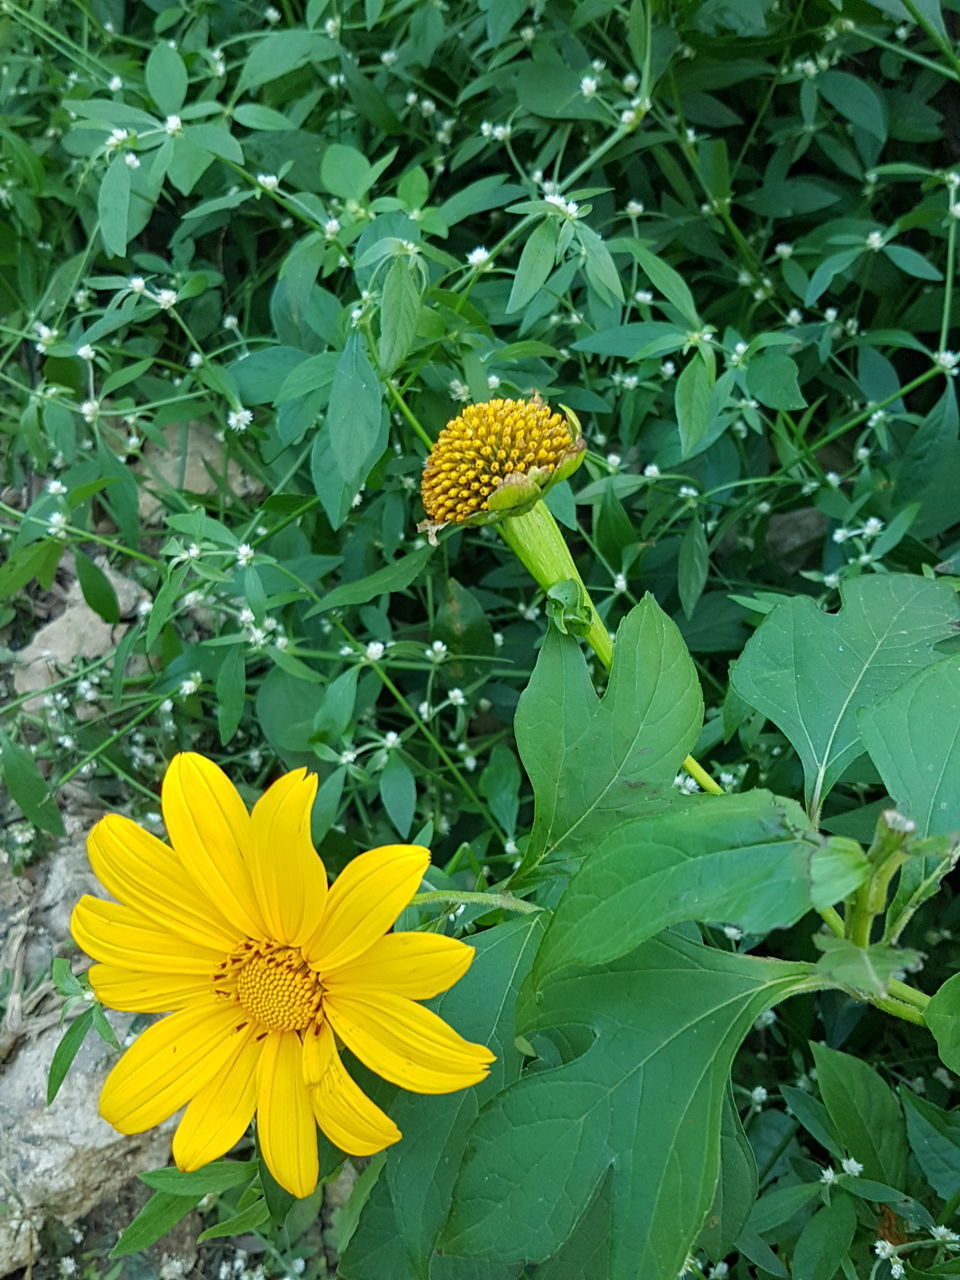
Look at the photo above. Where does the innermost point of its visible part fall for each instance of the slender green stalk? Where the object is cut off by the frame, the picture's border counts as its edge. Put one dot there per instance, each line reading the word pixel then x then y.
pixel 541 548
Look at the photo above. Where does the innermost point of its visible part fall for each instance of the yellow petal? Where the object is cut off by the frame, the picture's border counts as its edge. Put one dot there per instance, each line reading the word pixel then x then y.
pixel 288 876
pixel 209 828
pixel 342 1110
pixel 122 936
pixel 147 992
pixel 405 1043
pixel 142 872
pixel 169 1064
pixel 285 1124
pixel 416 965
pixel 366 898
pixel 220 1114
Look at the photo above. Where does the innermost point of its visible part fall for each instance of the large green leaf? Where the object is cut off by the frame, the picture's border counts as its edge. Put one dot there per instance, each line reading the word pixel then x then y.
pixel 913 737
pixel 644 1101
pixel 587 757
pixel 811 673
pixel 742 858
pixel 865 1114
pixel 934 1137
pixel 421 1170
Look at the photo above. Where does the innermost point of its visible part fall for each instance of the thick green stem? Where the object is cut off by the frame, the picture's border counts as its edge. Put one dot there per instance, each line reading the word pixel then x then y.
pixel 536 541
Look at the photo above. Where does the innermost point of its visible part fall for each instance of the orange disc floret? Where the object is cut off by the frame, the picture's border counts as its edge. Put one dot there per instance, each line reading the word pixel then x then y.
pixel 477 451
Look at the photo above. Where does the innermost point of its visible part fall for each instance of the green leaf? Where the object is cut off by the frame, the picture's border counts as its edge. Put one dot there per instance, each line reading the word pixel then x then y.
pixel 97 588
pixel 254 116
pixel 355 412
pixel 159 1215
pixel 602 272
pixel 913 263
pixel 398 791
pixel 231 688
pixel 693 566
pixel 66 1051
pixel 811 673
pixel 37 560
pixel 837 868
pixel 913 738
pixel 670 283
pixel 254 1215
pixel 393 577
pixel 346 172
pixel 280 52
pixel 813 1115
pixel 667 1022
pixel 736 1187
pixel 221 1175
pixel 772 378
pixel 113 206
pixel 825 1239
pixel 862 968
pixel 421 1170
pixel 399 310
pixel 692 404
pixel 500 786
pixel 165 602
pixel 28 788
pixel 741 858
pixel 587 758
pixel 934 1137
pixel 865 1114
pixel 166 78
pixel 536 262
pixel 942 1016
pixel 856 99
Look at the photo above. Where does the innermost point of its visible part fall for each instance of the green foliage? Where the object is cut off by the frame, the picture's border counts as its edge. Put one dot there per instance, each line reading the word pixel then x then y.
pixel 254 259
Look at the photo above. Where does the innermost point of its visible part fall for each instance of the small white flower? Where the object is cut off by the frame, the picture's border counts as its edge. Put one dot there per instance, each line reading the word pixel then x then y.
pixel 493 381
pixel 794 317
pixel 668 369
pixel 688 491
pixel 630 82
pixel 348 756
pixel 230 323
pixel 719 1271
pixel 943 1235
pixel 166 299
pixel 875 240
pixel 457 698
pixel 619 583
pixel 245 554
pixel 272 15
pixel 831 581
pixel 832 479
pixel 56 488
pixel 897 1270
pixel 851 1166
pixel 498 639
pixel 478 258
pixel 840 536
pixel 424 710
pixel 769 1016
pixel 68 1267
pixel 634 210
pixel 331 228
pixel 614 460
pixel 192 553
pixel 437 651
pixel 828 1176
pixel 173 125
pixel 137 284
pixel 269 181
pixel 458 390
pixel 90 410
pixel 629 116
pixel 588 86
pixel 947 360
pixel 528 34
pixel 758 1096
pixel 643 296
pixel 884 1249
pixel 651 471
pixel 872 526
pixel 239 419
pixel 86 352
pixel 784 249
pixel 375 650
pixel 502 132
pixel 569 208
pixel 131 161
pixel 332 28
pixel 733 932
pixel 389 57
pixel 114 84
pixel 391 740
pixel 190 686
pixel 56 525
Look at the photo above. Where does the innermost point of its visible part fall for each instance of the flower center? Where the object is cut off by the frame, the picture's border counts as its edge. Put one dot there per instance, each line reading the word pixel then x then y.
pixel 275 986
pixel 476 451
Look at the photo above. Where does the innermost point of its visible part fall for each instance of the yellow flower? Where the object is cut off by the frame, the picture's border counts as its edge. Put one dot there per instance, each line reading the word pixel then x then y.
pixel 263 973
pixel 498 458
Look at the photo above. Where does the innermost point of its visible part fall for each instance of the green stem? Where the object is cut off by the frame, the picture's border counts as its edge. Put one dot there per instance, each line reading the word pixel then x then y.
pixel 948 283
pixel 907 994
pixel 505 901
pixel 536 541
pixel 906 1012
pixel 833 920
pixel 924 23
